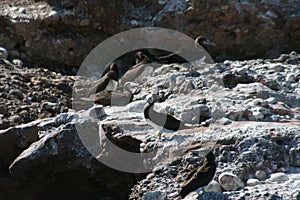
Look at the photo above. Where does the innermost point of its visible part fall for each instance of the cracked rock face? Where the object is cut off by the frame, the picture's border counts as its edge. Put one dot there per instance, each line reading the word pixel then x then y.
pixel 69 30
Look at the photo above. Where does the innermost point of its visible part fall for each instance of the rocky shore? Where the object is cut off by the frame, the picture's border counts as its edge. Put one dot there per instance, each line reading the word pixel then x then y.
pixel 250 109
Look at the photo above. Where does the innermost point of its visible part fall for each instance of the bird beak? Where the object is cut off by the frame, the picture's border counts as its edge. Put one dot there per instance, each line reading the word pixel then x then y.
pixel 208 42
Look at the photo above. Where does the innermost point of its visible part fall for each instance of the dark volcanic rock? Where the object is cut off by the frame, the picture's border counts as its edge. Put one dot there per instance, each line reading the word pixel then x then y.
pixel 59 162
pixel 68 30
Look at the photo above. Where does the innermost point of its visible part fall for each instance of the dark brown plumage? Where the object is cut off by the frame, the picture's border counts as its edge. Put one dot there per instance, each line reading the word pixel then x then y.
pixel 167 57
pixel 201 176
pixel 101 84
pixel 116 98
pixel 160 121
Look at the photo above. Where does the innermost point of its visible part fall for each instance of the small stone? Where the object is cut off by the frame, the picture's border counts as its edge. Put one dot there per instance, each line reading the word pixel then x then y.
pixel 297 117
pixel 84 22
pixel 17 62
pixel 21 10
pixel 53 12
pixel 252 182
pixel 157 195
pixel 230 182
pixel 16 94
pixel 271 100
pixel 4 124
pixel 257 115
pixel 213 186
pixel 16 119
pixel 224 121
pixel 278 177
pixel 3 109
pixel 217 112
pixel 271 14
pixel 281 109
pixel 97 112
pixel 3 53
pixel 261 175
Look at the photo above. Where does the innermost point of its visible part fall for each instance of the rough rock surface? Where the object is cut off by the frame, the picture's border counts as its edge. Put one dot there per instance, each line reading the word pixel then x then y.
pixel 27 94
pixel 69 30
pixel 253 117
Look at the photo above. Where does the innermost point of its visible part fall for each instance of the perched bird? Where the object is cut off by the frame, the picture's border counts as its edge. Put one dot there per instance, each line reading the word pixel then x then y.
pixel 201 176
pixel 124 62
pixel 137 72
pixel 117 98
pixel 167 57
pixel 101 84
pixel 160 121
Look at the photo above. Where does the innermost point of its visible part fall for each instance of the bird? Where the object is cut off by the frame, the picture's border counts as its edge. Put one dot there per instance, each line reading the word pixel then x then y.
pixel 167 57
pixel 102 83
pixel 201 176
pixel 120 97
pixel 137 72
pixel 162 122
pixel 124 62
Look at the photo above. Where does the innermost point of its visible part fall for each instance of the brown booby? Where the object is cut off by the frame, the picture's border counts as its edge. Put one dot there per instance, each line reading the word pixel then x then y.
pixel 117 98
pixel 101 84
pixel 160 121
pixel 167 57
pixel 124 62
pixel 201 176
pixel 138 71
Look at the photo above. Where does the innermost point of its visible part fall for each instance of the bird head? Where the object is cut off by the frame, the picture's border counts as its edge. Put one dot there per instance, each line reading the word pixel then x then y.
pixel 204 42
pixel 152 98
pixel 141 57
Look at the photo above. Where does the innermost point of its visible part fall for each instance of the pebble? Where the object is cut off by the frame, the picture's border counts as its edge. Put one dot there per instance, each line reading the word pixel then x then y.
pixel 230 182
pixel 3 53
pixel 278 177
pixel 16 119
pixel 271 100
pixel 224 121
pixel 17 62
pixel 252 182
pixel 157 195
pixel 261 175
pixel 213 186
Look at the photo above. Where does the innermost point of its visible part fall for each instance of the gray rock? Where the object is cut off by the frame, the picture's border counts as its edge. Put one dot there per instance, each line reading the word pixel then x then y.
pixel 230 182
pixel 252 182
pixel 155 195
pixel 3 53
pixel 213 186
pixel 261 175
pixel 278 177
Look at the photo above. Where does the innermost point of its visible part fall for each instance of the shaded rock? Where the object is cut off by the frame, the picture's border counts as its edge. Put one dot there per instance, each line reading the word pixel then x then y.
pixel 281 109
pixel 56 147
pixel 157 195
pixel 213 186
pixel 14 140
